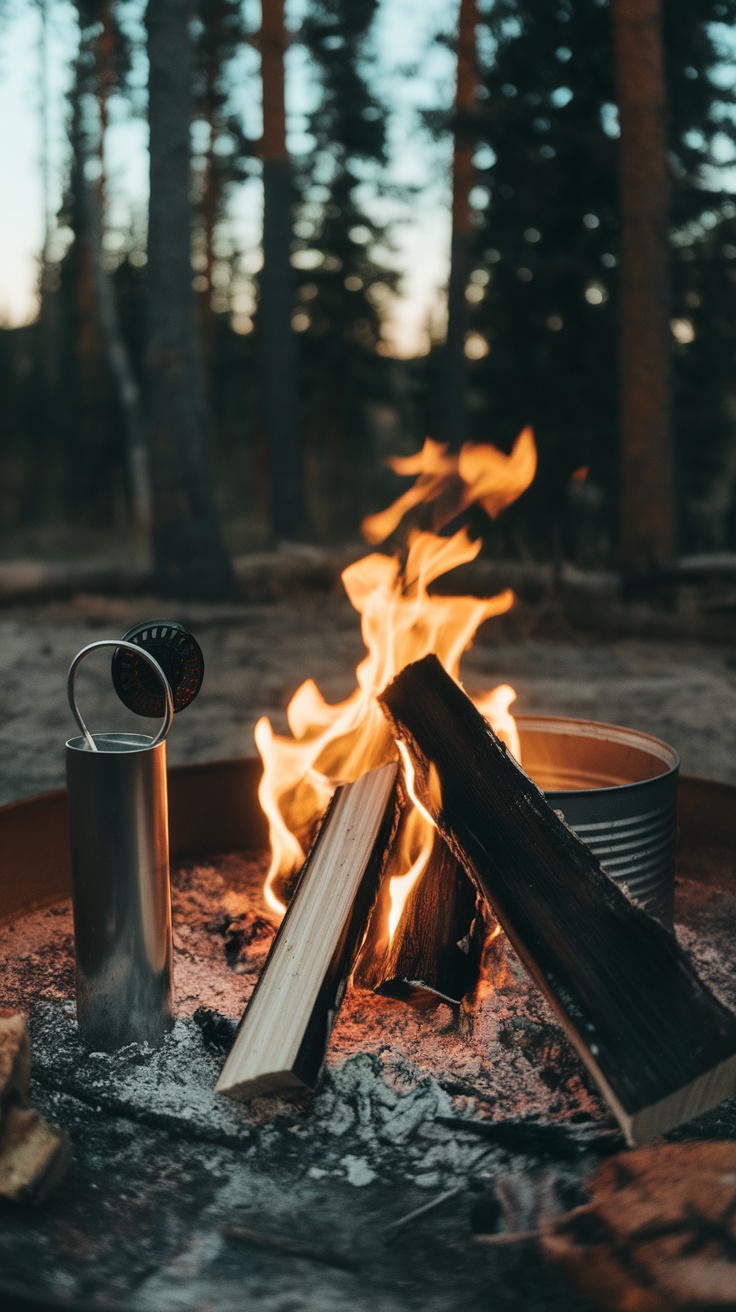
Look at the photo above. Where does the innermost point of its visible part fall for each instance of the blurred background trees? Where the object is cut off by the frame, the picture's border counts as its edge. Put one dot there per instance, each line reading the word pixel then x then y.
pixel 289 390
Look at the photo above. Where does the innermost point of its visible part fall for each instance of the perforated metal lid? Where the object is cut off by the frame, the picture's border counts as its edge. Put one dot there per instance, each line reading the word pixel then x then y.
pixel 179 656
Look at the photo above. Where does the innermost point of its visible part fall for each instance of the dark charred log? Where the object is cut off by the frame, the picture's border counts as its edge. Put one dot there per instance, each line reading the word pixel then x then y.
pixel 435 953
pixel 659 1044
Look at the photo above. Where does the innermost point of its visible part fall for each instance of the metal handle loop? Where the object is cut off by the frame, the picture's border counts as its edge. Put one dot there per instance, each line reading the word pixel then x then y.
pixel 138 651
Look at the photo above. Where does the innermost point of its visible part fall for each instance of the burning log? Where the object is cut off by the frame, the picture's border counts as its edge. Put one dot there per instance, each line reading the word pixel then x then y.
pixel 660 1046
pixel 283 1035
pixel 434 954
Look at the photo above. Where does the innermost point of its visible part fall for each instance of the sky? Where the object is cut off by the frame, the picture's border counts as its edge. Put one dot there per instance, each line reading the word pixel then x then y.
pixel 402 37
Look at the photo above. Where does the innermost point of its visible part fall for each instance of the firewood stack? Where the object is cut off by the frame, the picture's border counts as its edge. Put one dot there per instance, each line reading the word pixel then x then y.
pixel 658 1043
pixel 34 1155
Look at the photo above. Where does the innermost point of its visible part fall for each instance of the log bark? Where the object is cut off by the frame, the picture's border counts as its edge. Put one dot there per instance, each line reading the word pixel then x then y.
pixel 660 1046
pixel 283 1036
pixel 646 457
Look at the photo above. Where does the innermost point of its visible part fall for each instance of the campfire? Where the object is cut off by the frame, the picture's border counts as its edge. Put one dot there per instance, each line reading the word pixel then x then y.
pixel 401 621
pixel 427 828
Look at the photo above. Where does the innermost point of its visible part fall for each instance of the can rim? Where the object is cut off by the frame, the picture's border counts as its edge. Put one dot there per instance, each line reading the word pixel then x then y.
pixel 602 731
pixel 144 743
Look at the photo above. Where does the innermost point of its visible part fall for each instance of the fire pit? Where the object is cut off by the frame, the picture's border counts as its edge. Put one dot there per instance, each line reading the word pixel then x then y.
pixel 158 1174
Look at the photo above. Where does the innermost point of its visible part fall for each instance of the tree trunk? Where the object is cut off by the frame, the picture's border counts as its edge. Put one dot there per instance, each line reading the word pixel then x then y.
pixel 647 496
pixel 461 253
pixel 118 362
pixel 275 334
pixel 189 557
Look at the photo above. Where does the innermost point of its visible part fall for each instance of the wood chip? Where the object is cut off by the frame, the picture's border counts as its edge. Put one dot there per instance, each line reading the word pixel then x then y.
pixel 34 1156
pixel 659 1233
pixel 15 1061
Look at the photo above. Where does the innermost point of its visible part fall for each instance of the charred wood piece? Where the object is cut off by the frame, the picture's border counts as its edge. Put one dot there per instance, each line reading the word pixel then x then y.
pixel 559 1143
pixel 659 1044
pixel 283 1036
pixel 435 953
pixel 659 1232
pixel 291 1247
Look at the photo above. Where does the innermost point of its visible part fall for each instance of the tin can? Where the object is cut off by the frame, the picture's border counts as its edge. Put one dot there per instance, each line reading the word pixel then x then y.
pixel 617 789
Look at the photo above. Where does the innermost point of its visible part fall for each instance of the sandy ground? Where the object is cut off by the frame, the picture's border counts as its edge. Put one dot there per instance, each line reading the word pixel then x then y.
pixel 256 656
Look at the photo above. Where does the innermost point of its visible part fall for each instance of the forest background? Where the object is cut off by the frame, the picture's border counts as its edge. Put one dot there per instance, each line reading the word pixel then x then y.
pixel 253 376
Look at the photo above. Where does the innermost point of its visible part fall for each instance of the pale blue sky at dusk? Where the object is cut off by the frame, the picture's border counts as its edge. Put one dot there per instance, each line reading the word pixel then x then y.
pixel 402 37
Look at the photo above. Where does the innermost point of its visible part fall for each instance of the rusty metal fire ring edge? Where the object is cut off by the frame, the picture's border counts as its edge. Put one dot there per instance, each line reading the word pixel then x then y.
pixel 214 808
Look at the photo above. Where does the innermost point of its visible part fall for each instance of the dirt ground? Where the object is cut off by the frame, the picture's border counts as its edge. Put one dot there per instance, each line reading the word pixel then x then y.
pixel 257 655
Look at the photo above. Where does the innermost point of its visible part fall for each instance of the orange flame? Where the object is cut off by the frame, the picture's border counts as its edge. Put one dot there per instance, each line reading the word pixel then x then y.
pixel 401 621
pixel 480 474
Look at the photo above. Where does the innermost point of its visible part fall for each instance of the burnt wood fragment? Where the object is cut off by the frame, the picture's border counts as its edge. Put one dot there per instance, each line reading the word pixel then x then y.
pixel 659 1233
pixel 659 1044
pixel 435 952
pixel 283 1036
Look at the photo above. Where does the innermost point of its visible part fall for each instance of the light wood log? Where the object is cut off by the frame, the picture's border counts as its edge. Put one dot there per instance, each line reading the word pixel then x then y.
pixel 283 1035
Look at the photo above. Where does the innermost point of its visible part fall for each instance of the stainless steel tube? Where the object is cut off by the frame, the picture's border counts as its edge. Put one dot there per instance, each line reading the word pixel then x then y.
pixel 118 827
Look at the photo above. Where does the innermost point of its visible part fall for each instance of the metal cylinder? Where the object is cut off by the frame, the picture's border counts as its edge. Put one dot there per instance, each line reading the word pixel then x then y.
pixel 118 828
pixel 617 788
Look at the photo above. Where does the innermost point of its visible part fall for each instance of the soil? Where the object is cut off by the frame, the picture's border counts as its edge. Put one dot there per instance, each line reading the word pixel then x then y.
pixel 257 655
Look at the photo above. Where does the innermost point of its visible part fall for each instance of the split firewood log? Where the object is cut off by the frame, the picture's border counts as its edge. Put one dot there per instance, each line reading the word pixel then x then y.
pixel 15 1061
pixel 659 1233
pixel 33 1154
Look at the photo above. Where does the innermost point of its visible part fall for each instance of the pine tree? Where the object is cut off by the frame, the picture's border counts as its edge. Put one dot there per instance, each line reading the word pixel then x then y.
pixel 545 289
pixel 189 557
pixel 646 459
pixel 344 281
pixel 279 359
pixel 221 164
pixel 461 252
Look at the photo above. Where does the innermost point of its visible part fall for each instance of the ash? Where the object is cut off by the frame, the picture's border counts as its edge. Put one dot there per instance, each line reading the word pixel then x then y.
pixel 162 1165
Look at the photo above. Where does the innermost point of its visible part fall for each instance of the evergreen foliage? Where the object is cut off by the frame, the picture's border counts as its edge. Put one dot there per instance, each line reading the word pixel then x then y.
pixel 547 237
pixel 343 283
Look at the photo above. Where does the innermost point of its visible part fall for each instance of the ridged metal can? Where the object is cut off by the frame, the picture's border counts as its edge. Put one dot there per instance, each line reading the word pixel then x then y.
pixel 617 788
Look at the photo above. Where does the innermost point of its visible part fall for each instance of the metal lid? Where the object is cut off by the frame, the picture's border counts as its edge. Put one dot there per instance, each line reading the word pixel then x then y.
pixel 179 656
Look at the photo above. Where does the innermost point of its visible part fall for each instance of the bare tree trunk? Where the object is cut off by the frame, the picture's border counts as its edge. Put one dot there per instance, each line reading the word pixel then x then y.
pixel 48 315
pixel 118 361
pixel 647 492
pixel 461 253
pixel 276 336
pixel 189 556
